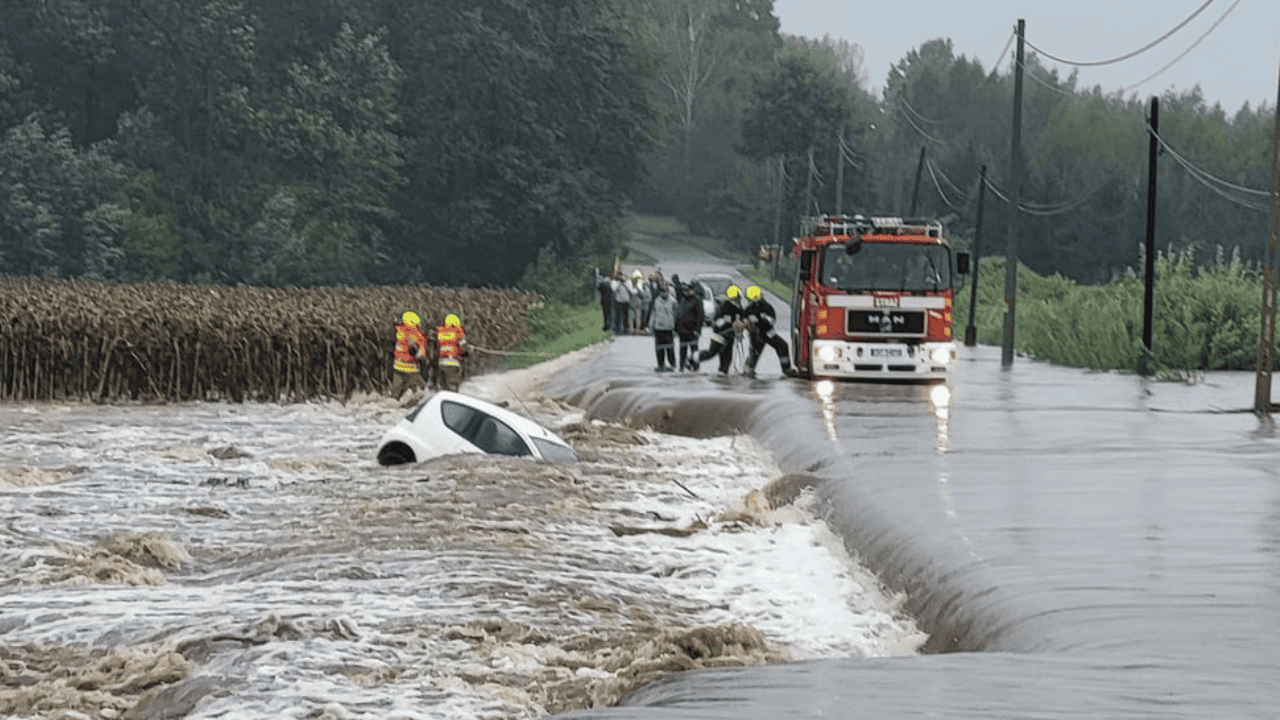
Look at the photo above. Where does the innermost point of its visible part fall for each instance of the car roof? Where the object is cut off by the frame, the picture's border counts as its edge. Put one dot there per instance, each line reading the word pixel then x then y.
pixel 526 425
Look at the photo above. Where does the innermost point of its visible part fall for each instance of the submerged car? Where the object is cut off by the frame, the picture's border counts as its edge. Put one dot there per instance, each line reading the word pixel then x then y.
pixel 449 423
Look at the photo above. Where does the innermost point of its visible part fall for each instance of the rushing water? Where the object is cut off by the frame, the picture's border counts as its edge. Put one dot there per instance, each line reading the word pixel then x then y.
pixel 210 560
pixel 1077 544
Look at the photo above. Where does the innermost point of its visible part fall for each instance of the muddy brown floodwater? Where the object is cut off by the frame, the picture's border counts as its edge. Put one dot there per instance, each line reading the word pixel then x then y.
pixel 210 560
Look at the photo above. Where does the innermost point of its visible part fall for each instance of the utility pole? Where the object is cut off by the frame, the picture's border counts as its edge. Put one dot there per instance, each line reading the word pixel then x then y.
pixel 840 172
pixel 1149 292
pixel 1015 183
pixel 808 184
pixel 971 330
pixel 777 204
pixel 1267 343
pixel 915 194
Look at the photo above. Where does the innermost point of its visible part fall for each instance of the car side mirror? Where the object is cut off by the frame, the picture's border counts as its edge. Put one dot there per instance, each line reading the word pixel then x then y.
pixel 962 263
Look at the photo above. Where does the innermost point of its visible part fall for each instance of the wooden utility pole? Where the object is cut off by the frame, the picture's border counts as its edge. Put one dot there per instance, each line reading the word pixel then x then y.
pixel 777 204
pixel 915 194
pixel 1015 183
pixel 840 172
pixel 1267 343
pixel 808 184
pixel 971 330
pixel 1149 292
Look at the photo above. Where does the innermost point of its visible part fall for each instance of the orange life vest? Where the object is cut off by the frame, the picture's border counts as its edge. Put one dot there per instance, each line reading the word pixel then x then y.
pixel 409 342
pixel 449 340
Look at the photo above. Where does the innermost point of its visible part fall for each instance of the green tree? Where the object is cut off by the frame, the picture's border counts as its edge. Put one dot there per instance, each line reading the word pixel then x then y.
pixel 61 213
pixel 334 159
pixel 527 123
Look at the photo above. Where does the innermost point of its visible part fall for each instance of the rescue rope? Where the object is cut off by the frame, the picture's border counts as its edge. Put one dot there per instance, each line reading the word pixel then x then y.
pixel 509 352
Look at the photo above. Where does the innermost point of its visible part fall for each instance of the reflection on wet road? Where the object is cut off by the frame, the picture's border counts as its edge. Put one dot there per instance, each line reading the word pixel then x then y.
pixel 1099 545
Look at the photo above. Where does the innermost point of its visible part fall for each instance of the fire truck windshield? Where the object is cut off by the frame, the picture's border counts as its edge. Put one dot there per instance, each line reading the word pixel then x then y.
pixel 901 267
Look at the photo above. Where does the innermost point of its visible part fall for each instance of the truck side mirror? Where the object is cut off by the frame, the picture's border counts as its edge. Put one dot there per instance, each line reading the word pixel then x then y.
pixel 804 274
pixel 962 263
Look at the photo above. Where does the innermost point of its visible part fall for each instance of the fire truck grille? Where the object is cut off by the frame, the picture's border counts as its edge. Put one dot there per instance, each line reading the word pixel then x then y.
pixel 885 322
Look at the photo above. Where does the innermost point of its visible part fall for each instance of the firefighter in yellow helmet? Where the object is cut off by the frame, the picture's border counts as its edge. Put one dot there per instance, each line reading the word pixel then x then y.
pixel 410 354
pixel 761 318
pixel 450 353
pixel 723 327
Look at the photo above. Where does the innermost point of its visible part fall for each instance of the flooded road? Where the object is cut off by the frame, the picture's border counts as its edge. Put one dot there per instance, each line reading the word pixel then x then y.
pixel 1074 545
pixel 1077 544
pixel 213 560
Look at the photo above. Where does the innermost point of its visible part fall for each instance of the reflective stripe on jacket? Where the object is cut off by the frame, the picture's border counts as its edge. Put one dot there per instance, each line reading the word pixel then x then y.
pixel 409 343
pixel 449 341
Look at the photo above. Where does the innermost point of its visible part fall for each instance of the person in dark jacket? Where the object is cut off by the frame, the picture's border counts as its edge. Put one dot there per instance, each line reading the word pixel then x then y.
pixel 688 323
pixel 605 290
pixel 727 321
pixel 761 319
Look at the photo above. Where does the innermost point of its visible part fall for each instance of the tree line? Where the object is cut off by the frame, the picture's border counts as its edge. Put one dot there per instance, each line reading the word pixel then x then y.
pixel 497 142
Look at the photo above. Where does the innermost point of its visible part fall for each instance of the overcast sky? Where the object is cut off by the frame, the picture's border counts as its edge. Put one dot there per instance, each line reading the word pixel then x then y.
pixel 1238 61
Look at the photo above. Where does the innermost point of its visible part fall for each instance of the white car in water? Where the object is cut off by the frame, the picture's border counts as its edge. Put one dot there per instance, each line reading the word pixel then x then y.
pixel 449 423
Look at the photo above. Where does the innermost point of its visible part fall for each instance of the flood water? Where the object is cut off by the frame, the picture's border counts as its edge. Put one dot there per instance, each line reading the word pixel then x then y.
pixel 1077 544
pixel 214 560
pixel 1074 545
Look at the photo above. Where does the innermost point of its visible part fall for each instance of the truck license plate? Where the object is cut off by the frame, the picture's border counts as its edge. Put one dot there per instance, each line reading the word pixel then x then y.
pixel 886 352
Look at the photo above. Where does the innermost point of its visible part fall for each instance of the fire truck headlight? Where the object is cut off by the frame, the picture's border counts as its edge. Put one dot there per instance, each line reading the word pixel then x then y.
pixel 829 354
pixel 941 355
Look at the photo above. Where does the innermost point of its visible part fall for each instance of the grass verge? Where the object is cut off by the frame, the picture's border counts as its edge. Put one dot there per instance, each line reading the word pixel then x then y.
pixel 763 276
pixel 557 329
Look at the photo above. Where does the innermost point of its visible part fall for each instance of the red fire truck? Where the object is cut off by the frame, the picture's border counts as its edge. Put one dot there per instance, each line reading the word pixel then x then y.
pixel 873 299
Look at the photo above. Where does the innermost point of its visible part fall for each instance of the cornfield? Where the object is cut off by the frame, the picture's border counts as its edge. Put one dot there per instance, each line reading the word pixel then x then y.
pixel 172 342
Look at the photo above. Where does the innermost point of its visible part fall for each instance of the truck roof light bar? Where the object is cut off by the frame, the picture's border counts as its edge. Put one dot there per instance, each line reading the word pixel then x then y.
pixel 857 226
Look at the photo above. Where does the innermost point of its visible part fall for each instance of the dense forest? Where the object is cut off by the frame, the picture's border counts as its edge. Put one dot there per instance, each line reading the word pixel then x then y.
pixel 497 142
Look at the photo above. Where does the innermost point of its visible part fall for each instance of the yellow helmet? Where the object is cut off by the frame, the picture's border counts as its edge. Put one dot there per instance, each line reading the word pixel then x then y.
pixel 753 293
pixel 452 320
pixel 731 292
pixel 410 318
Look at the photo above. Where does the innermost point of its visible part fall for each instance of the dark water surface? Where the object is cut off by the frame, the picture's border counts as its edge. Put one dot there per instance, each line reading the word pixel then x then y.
pixel 1078 544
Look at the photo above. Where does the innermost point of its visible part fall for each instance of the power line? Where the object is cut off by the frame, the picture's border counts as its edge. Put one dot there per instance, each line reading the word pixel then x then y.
pixel 1045 83
pixel 954 187
pixel 903 99
pixel 938 187
pixel 1186 52
pixel 1126 56
pixel 919 129
pixel 1214 183
pixel 1043 209
pixel 1001 57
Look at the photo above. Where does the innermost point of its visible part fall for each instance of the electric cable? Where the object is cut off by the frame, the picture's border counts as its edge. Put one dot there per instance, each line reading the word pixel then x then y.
pixel 1214 183
pixel 919 129
pixel 938 187
pixel 903 99
pixel 1126 56
pixel 1001 57
pixel 1045 209
pixel 954 187
pixel 1186 52
pixel 1028 73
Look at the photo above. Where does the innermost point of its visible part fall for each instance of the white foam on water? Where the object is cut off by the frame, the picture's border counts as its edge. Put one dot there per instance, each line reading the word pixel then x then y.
pixel 318 584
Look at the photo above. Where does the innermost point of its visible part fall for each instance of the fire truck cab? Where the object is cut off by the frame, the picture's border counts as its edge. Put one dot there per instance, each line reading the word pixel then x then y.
pixel 873 298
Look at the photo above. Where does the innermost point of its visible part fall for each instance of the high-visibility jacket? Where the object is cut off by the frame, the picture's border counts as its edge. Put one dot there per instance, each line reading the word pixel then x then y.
pixel 409 343
pixel 449 343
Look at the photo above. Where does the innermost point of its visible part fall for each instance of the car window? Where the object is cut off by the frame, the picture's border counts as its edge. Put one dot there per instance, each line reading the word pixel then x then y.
pixel 554 452
pixel 460 418
pixel 497 438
